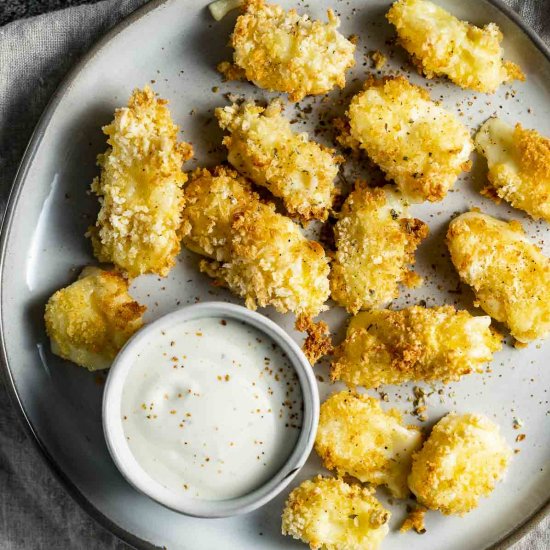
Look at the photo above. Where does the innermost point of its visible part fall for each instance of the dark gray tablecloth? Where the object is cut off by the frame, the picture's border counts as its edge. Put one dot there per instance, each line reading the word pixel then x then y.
pixel 10 10
pixel 35 54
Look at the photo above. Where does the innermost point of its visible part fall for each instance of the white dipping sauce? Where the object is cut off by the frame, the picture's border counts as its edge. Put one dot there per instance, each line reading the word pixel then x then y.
pixel 212 408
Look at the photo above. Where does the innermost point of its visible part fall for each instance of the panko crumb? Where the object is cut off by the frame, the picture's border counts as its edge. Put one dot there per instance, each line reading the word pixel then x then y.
pixel 375 243
pixel 259 254
pixel 462 460
pixel 357 438
pixel 328 513
pixel 510 276
pixel 140 188
pixel 415 520
pixel 413 344
pixel 285 52
pixel 417 143
pixel 519 166
pixel 379 59
pixel 90 320
pixel 262 146
pixel 318 342
pixel 440 44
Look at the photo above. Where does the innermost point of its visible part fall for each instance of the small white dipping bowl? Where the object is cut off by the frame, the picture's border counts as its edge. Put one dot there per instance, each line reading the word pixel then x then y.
pixel 142 481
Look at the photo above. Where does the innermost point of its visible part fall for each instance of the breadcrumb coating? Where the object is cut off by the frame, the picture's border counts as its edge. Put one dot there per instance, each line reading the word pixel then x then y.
pixel 140 188
pixel 442 45
pixel 415 343
pixel 285 52
pixel 462 460
pixel 357 438
pixel 509 275
pixel 519 166
pixel 259 254
pixel 419 145
pixel 89 321
pixel 263 147
pixel 375 243
pixel 328 513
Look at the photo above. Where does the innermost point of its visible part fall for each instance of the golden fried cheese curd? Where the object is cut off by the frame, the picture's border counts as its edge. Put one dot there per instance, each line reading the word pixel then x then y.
pixel 262 146
pixel 413 344
pixel 519 166
pixel 510 276
pixel 417 143
pixel 90 320
pixel 375 244
pixel 259 254
pixel 140 188
pixel 357 438
pixel 287 52
pixel 329 514
pixel 442 45
pixel 462 460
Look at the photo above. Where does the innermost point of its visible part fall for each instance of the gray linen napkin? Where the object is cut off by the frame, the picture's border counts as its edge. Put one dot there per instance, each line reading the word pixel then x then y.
pixel 35 54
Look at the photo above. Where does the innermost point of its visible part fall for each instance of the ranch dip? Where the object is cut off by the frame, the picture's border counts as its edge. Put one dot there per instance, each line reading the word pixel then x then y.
pixel 211 408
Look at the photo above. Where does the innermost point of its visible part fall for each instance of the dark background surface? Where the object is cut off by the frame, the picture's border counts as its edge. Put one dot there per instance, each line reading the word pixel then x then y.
pixel 16 9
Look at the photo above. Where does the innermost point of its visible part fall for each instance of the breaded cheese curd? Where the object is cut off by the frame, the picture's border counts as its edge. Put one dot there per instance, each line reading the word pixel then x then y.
pixel 328 513
pixel 442 45
pixel 416 343
pixel 357 438
pixel 510 276
pixel 519 166
pixel 140 188
pixel 259 254
pixel 286 52
pixel 90 320
pixel 462 460
pixel 419 145
pixel 375 244
pixel 262 146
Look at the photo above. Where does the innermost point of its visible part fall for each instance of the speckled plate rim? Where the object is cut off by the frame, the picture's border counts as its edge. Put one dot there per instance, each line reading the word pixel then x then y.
pixel 5 229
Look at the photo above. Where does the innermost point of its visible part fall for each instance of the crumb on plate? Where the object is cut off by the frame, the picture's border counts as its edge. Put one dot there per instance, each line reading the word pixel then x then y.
pixel 415 520
pixel 379 59
pixel 318 342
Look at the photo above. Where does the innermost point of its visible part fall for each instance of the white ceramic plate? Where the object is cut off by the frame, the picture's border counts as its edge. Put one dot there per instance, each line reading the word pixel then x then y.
pixel 177 45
